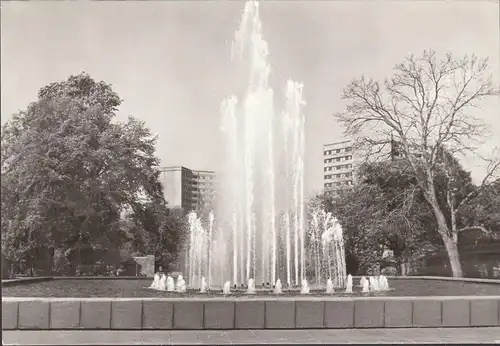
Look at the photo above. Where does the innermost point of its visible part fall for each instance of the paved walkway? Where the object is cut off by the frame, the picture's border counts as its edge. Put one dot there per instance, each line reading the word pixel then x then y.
pixel 207 337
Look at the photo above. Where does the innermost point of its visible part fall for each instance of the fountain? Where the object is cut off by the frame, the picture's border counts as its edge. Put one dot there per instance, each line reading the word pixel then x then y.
pixel 203 288
pixel 329 287
pixel 349 284
pixel 277 287
pixel 362 281
pixel 227 288
pixel 261 221
pixel 251 286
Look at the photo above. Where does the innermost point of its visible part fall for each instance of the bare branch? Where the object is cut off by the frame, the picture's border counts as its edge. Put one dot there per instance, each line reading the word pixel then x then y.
pixel 479 228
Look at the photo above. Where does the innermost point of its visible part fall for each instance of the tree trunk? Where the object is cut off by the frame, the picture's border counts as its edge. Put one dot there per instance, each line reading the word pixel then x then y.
pixel 453 255
pixel 450 242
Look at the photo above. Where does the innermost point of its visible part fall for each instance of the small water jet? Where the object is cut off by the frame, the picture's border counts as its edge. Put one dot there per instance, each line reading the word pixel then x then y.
pixel 366 286
pixel 226 289
pixel 156 282
pixel 181 284
pixel 348 288
pixel 329 287
pixel 304 287
pixel 170 284
pixel 362 282
pixel 251 286
pixel 277 287
pixel 162 283
pixel 383 284
pixel 374 284
pixel 203 288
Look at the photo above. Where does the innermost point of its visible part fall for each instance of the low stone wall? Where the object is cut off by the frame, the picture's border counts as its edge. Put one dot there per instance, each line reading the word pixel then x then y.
pixel 249 313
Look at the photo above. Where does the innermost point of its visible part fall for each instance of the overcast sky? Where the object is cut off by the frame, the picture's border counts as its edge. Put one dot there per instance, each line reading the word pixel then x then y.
pixel 170 60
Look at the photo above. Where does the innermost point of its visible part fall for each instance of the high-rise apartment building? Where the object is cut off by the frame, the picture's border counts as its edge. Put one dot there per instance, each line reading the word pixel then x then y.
pixel 338 166
pixel 188 189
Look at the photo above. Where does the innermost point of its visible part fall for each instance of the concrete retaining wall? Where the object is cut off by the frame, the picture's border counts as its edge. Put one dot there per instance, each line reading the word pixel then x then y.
pixel 249 313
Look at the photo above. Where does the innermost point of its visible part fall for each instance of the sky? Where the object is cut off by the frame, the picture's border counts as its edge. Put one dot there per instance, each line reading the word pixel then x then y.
pixel 170 60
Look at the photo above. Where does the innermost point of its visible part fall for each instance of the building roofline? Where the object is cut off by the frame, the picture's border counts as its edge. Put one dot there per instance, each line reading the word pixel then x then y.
pixel 203 171
pixel 174 167
pixel 183 167
pixel 340 142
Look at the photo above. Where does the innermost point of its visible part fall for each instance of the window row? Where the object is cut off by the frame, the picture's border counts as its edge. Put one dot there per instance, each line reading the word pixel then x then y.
pixel 339 183
pixel 338 168
pixel 338 159
pixel 206 177
pixel 338 175
pixel 337 151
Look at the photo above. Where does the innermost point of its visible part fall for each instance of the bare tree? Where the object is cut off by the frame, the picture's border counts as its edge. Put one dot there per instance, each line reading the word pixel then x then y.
pixel 423 107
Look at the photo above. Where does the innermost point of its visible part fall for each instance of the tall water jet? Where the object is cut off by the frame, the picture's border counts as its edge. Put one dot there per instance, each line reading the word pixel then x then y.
pixel 294 134
pixel 197 249
pixel 211 218
pixel 325 246
pixel 249 203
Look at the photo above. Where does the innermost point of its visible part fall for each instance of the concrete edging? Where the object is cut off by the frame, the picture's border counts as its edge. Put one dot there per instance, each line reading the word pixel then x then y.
pixel 258 313
pixel 443 278
pixel 9 282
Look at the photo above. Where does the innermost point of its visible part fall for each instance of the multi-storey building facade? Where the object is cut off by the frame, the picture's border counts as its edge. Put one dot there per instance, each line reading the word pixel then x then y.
pixel 338 166
pixel 204 189
pixel 188 189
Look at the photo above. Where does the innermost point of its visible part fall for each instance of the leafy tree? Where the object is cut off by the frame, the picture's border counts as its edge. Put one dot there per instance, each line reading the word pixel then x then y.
pixel 160 231
pixel 386 207
pixel 483 211
pixel 383 209
pixel 424 107
pixel 69 171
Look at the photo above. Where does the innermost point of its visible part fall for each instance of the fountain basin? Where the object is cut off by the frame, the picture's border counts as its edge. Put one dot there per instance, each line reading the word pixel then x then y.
pixel 86 304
